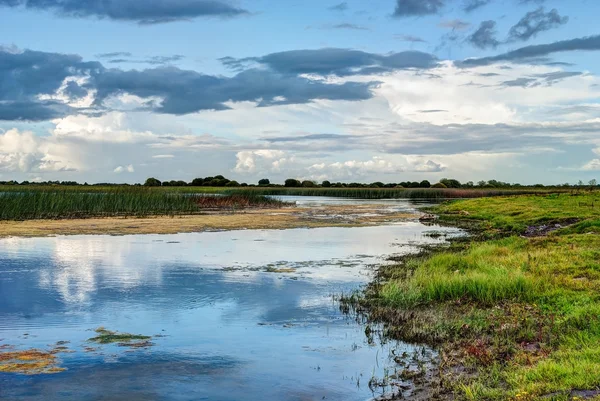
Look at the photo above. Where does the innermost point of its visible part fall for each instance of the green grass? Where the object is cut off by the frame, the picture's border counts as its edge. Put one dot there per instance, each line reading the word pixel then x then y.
pixel 521 316
pixel 66 203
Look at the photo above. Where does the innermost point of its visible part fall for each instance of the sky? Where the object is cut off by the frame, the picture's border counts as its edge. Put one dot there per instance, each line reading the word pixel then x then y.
pixel 351 91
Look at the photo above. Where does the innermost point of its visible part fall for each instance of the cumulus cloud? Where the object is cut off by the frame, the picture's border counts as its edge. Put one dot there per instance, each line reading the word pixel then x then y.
pixel 412 8
pixel 592 165
pixel 122 169
pixel 530 52
pixel 332 61
pixel 140 11
pixel 485 36
pixel 535 22
pixel 260 161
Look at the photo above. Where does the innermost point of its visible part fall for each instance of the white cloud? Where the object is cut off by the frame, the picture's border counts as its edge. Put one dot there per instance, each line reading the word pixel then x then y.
pixel 592 165
pixel 122 169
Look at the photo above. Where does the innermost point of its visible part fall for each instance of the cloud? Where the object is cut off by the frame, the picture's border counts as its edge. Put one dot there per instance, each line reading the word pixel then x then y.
pixel 352 27
pixel 472 5
pixel 343 6
pixel 114 54
pixel 39 86
pixel 529 52
pixel 410 38
pixel 485 36
pixel 592 165
pixel 26 76
pixel 455 24
pixel 153 60
pixel 416 8
pixel 311 137
pixel 140 11
pixel 535 22
pixel 260 161
pixel 357 169
pixel 333 61
pixel 124 169
pixel 179 89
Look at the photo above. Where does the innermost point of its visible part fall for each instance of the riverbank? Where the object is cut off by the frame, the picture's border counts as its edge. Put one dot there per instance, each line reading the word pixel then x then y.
pixel 263 218
pixel 515 310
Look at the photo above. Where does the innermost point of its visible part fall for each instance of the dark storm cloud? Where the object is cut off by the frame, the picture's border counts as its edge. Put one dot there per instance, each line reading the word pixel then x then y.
pixel 341 62
pixel 415 8
pixel 529 52
pixel 339 7
pixel 472 5
pixel 535 22
pixel 27 76
pixel 141 11
pixel 485 36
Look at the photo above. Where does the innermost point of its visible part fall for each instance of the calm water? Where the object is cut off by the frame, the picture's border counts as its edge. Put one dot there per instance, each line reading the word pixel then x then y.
pixel 235 323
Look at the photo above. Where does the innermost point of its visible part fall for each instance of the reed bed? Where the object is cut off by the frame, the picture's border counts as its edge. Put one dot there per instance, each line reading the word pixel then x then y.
pixel 135 202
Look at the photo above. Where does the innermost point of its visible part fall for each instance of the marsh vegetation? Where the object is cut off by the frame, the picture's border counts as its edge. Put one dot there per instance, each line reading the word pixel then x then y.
pixel 515 316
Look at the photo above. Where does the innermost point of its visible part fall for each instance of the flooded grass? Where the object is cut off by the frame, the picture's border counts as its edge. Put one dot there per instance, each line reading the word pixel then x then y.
pixel 514 317
pixel 122 339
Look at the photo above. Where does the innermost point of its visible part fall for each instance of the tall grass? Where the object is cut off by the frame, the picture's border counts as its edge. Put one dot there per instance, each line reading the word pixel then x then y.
pixel 68 204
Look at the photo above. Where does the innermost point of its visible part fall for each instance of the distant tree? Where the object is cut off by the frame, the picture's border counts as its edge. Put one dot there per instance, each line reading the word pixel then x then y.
pixel 481 183
pixel 197 182
pixel 377 185
pixel 450 183
pixel 425 184
pixel 243 184
pixel 580 183
pixel 469 184
pixel 439 185
pixel 290 182
pixel 593 182
pixel 264 181
pixel 152 182
pixel 308 184
pixel 326 184
pixel 414 184
pixel 232 184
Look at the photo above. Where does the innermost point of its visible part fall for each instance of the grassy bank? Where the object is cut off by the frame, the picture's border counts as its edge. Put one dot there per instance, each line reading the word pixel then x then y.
pixel 515 312
pixel 50 203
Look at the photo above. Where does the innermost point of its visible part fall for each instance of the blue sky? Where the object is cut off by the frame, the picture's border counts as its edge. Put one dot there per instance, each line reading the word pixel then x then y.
pixel 342 90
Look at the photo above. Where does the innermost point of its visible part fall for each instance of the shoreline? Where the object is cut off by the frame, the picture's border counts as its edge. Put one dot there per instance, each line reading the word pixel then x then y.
pixel 249 219
pixel 504 308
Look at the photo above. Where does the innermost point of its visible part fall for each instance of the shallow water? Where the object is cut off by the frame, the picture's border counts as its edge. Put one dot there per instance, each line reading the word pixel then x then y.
pixel 241 315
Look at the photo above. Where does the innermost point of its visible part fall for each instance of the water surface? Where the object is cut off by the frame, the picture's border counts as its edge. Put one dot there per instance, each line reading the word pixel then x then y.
pixel 241 315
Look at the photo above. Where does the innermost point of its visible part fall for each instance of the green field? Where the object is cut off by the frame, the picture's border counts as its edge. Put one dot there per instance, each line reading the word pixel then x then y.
pixel 514 317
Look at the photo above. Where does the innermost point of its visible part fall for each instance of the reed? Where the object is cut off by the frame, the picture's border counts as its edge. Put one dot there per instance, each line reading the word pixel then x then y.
pixel 47 203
